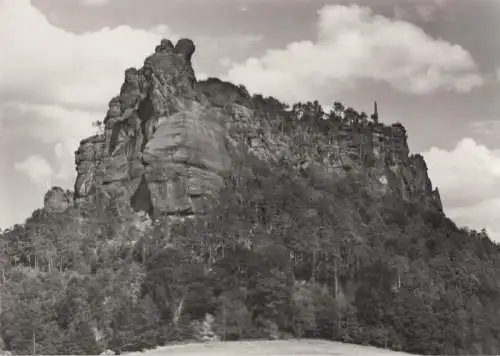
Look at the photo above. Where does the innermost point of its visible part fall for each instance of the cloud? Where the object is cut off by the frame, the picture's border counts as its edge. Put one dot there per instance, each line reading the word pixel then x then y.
pixel 225 45
pixel 421 9
pixel 48 123
pixel 37 169
pixel 44 64
pixel 353 44
pixel 468 178
pixel 225 62
pixel 95 2
pixel 486 127
pixel 53 85
pixel 59 127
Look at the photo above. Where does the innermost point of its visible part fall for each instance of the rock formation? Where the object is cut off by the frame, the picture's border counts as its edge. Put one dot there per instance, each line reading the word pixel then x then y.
pixel 57 200
pixel 163 150
pixel 167 141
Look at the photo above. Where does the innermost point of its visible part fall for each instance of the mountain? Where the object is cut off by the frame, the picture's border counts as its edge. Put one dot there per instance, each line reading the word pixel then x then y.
pixel 201 212
pixel 168 139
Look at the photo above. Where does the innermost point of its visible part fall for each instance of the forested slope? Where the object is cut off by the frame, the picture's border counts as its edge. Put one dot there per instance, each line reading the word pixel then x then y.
pixel 313 224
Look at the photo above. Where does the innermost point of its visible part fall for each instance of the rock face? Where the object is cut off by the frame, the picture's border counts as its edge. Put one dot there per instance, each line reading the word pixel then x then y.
pixel 376 152
pixel 382 153
pixel 184 159
pixel 167 141
pixel 57 199
pixel 163 149
pixel 87 156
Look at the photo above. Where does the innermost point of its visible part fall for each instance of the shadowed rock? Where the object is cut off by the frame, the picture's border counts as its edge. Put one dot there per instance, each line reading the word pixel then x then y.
pixel 166 46
pixel 164 151
pixel 185 47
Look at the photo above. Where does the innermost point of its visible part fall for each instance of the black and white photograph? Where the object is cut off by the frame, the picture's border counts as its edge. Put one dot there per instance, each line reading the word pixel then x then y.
pixel 249 177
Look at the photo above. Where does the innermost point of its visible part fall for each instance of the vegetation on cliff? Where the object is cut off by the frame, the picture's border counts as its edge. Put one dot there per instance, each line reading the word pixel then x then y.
pixel 299 244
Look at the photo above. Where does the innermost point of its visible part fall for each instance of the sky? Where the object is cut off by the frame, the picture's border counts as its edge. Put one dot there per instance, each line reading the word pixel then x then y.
pixel 433 65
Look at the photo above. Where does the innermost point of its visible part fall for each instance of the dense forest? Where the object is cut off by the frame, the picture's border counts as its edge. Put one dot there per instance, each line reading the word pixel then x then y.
pixel 282 253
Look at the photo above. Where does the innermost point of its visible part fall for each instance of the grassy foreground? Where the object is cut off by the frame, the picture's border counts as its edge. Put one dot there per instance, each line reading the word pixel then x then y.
pixel 269 348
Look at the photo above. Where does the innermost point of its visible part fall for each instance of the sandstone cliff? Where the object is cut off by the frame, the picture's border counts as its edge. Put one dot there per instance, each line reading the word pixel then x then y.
pixel 168 139
pixel 57 200
pixel 163 147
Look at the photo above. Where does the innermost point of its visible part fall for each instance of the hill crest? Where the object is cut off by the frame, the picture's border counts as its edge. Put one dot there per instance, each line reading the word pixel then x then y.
pixel 167 140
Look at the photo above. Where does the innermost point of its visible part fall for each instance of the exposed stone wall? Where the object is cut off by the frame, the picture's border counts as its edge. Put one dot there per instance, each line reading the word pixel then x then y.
pixel 165 145
pixel 162 150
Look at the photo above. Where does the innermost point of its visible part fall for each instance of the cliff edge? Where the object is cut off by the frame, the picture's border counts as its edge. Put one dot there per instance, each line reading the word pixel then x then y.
pixel 167 141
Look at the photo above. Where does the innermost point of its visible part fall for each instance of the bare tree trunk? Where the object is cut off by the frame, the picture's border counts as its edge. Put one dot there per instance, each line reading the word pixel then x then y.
pixel 209 256
pixel 224 318
pixel 34 343
pixel 335 279
pixel 178 311
pixel 313 266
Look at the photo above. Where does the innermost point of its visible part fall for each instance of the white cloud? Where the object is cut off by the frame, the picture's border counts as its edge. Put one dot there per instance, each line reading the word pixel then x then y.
pixel 468 178
pixel 48 123
pixel 354 44
pixel 37 169
pixel 54 83
pixel 43 63
pixel 51 124
pixel 95 2
pixel 58 150
pixel 225 62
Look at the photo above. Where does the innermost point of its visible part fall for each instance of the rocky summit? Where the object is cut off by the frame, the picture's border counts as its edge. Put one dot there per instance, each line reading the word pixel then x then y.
pixel 203 213
pixel 168 138
pixel 163 146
